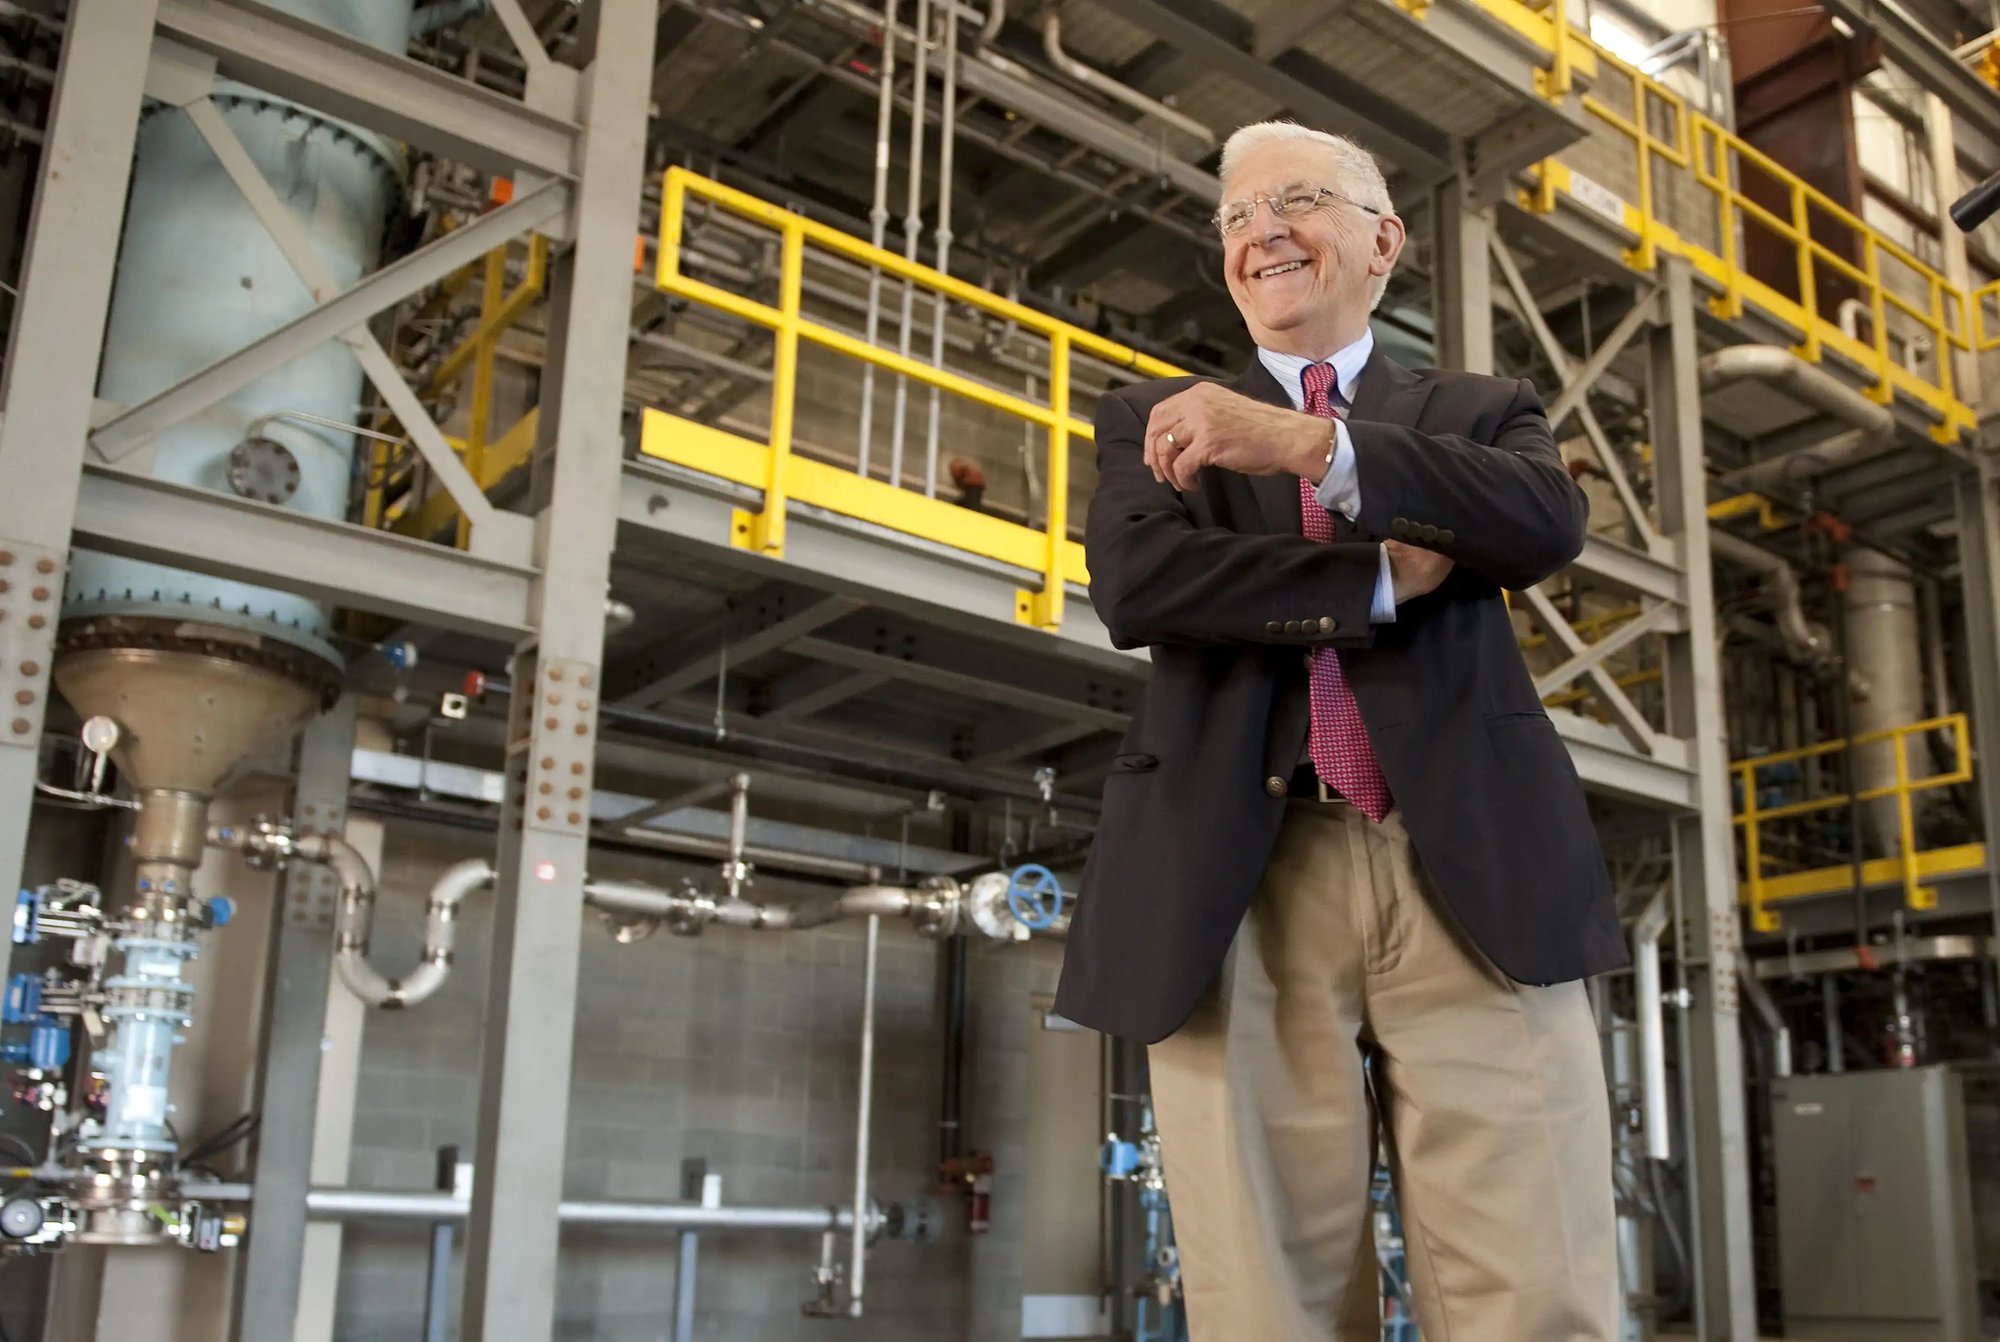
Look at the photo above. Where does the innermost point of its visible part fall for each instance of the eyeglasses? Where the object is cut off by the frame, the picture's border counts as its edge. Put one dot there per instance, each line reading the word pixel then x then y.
pixel 1292 203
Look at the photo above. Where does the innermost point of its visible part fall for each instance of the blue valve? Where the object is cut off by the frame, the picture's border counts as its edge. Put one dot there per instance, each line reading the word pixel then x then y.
pixel 220 910
pixel 24 1000
pixel 402 655
pixel 27 910
pixel 1119 1160
pixel 48 1044
pixel 1034 897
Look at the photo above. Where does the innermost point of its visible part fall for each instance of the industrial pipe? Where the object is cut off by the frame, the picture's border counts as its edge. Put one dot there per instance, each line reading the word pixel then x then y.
pixel 878 220
pixel 1651 1013
pixel 863 1115
pixel 947 145
pixel 1759 998
pixel 1094 79
pixel 913 224
pixel 368 1204
pixel 1805 641
pixel 1874 425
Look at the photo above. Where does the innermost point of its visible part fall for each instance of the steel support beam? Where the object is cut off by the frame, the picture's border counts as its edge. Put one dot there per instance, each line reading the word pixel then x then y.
pixel 1589 661
pixel 1462 283
pixel 298 970
pixel 510 1259
pixel 402 99
pixel 1221 40
pixel 141 517
pixel 1910 46
pixel 1978 495
pixel 980 689
pixel 331 320
pixel 51 373
pixel 1703 843
pixel 694 658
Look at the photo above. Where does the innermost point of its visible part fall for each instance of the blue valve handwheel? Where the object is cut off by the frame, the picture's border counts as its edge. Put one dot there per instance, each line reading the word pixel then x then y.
pixel 1034 897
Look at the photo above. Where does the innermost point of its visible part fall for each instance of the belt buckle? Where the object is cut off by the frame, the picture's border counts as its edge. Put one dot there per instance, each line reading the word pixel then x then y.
pixel 1324 796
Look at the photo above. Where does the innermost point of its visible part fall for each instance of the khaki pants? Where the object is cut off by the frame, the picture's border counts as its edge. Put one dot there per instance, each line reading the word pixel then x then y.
pixel 1491 1096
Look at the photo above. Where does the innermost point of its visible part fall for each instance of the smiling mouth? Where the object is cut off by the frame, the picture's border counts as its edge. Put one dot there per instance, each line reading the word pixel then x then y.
pixel 1285 268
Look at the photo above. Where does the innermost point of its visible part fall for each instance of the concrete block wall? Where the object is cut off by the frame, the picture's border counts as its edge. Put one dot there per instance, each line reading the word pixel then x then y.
pixel 741 1048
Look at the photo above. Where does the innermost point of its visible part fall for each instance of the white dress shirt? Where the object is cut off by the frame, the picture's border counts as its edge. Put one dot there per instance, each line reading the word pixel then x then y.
pixel 1340 492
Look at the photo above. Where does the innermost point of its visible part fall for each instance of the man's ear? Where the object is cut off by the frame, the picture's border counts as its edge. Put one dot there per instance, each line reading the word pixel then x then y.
pixel 1390 236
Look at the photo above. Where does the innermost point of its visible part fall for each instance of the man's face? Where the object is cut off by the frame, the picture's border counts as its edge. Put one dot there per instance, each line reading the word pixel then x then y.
pixel 1303 282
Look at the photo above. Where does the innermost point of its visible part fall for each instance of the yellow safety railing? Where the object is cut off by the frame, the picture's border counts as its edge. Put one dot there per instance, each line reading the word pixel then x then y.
pixel 1710 160
pixel 783 476
pixel 1981 299
pixel 1760 891
pixel 488 458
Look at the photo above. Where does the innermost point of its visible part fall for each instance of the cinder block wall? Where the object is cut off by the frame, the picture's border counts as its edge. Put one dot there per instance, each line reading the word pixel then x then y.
pixel 739 1047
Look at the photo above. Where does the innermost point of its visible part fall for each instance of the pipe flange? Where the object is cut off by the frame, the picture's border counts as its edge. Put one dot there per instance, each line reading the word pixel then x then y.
pixel 937 911
pixel 208 640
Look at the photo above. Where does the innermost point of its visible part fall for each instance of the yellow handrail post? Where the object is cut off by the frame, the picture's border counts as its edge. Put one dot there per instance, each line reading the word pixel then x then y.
pixel 1916 896
pixel 765 531
pixel 1045 608
pixel 479 415
pixel 1555 83
pixel 1761 918
pixel 1808 290
pixel 1883 391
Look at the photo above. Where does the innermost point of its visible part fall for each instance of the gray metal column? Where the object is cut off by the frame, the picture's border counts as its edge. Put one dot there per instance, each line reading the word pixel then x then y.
pixel 1978 491
pixel 298 969
pixel 510 1275
pixel 1462 287
pixel 1704 842
pixel 51 374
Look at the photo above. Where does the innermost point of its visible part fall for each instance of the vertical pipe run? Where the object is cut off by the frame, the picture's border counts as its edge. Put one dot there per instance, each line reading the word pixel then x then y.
pixel 858 1255
pixel 1652 1025
pixel 878 220
pixel 947 142
pixel 913 224
pixel 437 1285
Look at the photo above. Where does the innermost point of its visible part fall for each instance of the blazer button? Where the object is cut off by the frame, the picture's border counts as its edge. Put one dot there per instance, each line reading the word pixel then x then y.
pixel 1446 536
pixel 1327 624
pixel 1400 527
pixel 1427 532
pixel 1291 626
pixel 1276 786
pixel 1273 627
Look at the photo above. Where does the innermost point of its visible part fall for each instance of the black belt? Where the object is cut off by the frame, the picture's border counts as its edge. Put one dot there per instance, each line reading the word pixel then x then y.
pixel 1307 787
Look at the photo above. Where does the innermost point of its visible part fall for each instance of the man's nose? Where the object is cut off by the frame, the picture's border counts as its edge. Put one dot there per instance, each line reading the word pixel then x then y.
pixel 1266 226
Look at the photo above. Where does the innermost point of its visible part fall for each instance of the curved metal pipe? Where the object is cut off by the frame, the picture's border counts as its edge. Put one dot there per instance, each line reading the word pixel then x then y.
pixel 1095 79
pixel 1651 1012
pixel 1874 426
pixel 354 923
pixel 1805 640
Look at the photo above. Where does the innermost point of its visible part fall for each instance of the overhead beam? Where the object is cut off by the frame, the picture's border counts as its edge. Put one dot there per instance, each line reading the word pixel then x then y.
pixel 402 99
pixel 748 634
pixel 142 517
pixel 1910 46
pixel 1222 41
pixel 976 687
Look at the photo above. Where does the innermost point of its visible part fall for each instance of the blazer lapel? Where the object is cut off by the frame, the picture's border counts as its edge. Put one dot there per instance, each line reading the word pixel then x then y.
pixel 1387 392
pixel 1277 495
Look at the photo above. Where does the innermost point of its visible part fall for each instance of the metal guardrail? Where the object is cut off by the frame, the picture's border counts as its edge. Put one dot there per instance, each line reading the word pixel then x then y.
pixel 1911 867
pixel 784 477
pixel 1711 159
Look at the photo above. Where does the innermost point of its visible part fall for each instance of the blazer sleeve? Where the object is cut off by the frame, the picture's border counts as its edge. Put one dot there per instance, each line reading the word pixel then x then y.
pixel 1156 577
pixel 1507 507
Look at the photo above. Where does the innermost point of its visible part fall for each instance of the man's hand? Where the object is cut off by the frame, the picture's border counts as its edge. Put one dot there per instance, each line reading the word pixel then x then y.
pixel 1414 571
pixel 1208 425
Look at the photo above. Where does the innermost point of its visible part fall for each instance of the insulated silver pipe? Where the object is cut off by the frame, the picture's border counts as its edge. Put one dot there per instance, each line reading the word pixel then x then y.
pixel 1805 641
pixel 1759 998
pixel 734 872
pixel 1874 426
pixel 913 225
pixel 1651 1011
pixel 878 219
pixel 858 1256
pixel 947 142
pixel 1105 84
pixel 369 1204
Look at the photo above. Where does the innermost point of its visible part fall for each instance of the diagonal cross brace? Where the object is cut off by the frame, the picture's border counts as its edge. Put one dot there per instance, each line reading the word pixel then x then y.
pixel 1579 379
pixel 340 315
pixel 1660 616
pixel 1630 720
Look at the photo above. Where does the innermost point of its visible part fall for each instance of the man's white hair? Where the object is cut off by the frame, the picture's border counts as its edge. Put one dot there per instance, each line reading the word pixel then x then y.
pixel 1357 174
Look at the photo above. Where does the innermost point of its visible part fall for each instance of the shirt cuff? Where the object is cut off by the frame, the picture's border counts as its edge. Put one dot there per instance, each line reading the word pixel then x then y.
pixel 1383 610
pixel 1340 492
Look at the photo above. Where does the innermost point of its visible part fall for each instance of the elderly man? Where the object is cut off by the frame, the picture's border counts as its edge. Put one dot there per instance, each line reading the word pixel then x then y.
pixel 1344 870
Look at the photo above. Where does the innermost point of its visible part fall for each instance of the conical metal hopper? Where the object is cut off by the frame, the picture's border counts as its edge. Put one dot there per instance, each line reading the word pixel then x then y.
pixel 190 701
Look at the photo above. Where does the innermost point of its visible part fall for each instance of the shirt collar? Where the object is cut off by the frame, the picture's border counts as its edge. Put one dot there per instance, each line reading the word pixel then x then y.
pixel 1289 369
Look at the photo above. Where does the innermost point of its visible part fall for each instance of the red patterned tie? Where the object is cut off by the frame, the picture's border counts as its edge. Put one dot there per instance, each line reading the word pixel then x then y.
pixel 1341 753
